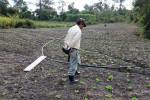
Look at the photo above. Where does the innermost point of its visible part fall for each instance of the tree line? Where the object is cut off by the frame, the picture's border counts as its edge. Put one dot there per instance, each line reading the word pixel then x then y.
pixel 98 12
pixel 141 14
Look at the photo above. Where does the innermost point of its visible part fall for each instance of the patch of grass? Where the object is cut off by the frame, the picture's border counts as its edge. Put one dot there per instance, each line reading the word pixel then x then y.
pixel 48 24
pixel 8 22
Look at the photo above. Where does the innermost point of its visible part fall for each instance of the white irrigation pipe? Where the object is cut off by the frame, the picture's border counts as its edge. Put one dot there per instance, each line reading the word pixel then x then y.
pixel 41 58
pixel 38 60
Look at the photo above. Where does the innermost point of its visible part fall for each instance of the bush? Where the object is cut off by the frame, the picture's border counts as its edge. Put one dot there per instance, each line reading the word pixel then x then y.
pixel 24 23
pixel 7 22
pixel 90 19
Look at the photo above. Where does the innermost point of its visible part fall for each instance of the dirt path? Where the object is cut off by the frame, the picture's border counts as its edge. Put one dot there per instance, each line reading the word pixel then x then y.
pixel 113 46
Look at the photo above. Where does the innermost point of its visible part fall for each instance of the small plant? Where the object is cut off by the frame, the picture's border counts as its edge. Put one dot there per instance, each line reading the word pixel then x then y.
pixel 86 98
pixel 134 98
pixel 148 85
pixel 98 80
pixel 109 88
pixel 110 78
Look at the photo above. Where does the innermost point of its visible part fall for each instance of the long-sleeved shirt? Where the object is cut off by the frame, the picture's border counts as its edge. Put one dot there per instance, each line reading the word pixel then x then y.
pixel 73 37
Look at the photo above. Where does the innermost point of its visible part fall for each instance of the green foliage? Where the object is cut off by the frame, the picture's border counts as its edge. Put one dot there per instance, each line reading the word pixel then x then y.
pixel 110 78
pixel 6 22
pixel 90 19
pixel 99 12
pixel 142 15
pixel 49 24
pixel 109 88
pixel 46 14
pixel 24 23
pixel 86 98
pixel 98 80
pixel 72 10
pixel 148 85
pixel 133 98
pixel 3 7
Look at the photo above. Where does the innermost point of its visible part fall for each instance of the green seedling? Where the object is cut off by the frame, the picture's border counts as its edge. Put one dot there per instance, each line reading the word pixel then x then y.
pixel 109 88
pixel 148 85
pixel 98 80
pixel 85 98
pixel 110 78
pixel 134 98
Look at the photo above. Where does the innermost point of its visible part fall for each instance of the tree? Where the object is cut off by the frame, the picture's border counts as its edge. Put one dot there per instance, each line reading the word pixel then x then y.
pixel 89 9
pixel 142 10
pixel 120 3
pixel 61 6
pixel 11 11
pixel 98 6
pixel 72 9
pixel 46 11
pixel 62 15
pixel 22 8
pixel 3 7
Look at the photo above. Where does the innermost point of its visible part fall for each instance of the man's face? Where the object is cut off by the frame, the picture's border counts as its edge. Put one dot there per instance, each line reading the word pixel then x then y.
pixel 81 26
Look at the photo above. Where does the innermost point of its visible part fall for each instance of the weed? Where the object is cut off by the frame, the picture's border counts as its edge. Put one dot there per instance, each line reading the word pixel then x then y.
pixel 133 98
pixel 98 80
pixel 110 78
pixel 109 88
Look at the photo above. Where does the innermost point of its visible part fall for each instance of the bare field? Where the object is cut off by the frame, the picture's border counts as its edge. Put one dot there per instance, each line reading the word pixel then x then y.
pixel 113 46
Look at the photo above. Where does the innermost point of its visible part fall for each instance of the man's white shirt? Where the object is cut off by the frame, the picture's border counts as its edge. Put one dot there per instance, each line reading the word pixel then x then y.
pixel 73 37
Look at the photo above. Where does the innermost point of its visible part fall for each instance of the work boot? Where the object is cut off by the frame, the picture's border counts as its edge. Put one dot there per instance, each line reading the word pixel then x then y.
pixel 77 73
pixel 72 80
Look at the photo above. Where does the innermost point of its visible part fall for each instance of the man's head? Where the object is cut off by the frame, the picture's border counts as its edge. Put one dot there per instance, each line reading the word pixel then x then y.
pixel 81 23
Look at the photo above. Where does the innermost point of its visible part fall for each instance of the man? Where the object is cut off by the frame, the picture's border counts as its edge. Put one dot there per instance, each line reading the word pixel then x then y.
pixel 72 43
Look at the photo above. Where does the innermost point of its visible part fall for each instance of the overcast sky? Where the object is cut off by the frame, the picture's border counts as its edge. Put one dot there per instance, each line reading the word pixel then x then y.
pixel 79 4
